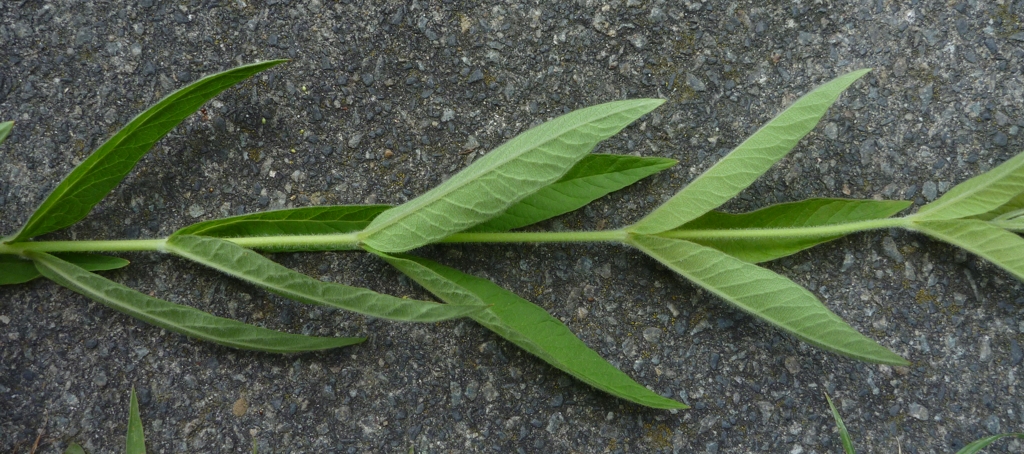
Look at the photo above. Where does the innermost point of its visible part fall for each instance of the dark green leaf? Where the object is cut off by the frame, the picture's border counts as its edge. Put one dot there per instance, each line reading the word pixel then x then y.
pixel 501 178
pixel 765 295
pixel 982 443
pixel 593 177
pixel 5 130
pixel 176 317
pixel 135 442
pixel 74 448
pixel 991 243
pixel 93 179
pixel 530 327
pixel 250 266
pixel 15 270
pixel 793 216
pixel 979 195
pixel 748 161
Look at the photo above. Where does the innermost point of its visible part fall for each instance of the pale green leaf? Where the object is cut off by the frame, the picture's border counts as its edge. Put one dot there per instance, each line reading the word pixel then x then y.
pixel 1014 205
pixel 748 161
pixel 780 230
pixel 176 317
pixel 981 194
pixel 1012 221
pixel 982 443
pixel 766 295
pixel 989 242
pixel 98 174
pixel 15 270
pixel 135 442
pixel 844 435
pixel 595 176
pixel 74 448
pixel 252 267
pixel 501 178
pixel 5 130
pixel 530 327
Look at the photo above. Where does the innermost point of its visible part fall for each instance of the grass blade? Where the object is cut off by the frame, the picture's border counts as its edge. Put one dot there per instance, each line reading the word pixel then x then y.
pixel 530 327
pixel 748 161
pixel 982 443
pixel 792 216
pixel 766 295
pixel 989 242
pixel 844 436
pixel 981 194
pixel 176 317
pixel 135 440
pixel 252 267
pixel 499 179
pixel 5 130
pixel 93 179
pixel 595 176
pixel 15 270
pixel 74 448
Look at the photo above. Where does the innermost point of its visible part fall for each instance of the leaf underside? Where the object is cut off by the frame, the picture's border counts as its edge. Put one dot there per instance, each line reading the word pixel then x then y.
pixel 15 270
pixel 766 295
pixel 499 179
pixel 135 439
pixel 979 195
pixel 104 169
pixel 176 317
pixel 991 243
pixel 748 161
pixel 805 213
pixel 254 268
pixel 530 327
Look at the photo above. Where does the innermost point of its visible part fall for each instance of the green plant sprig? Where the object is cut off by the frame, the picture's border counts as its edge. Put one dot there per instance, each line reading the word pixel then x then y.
pixel 544 172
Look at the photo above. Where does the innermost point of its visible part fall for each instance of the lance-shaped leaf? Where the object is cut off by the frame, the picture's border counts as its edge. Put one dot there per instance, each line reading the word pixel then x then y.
pixel 595 176
pixel 748 161
pixel 15 270
pixel 844 435
pixel 1009 209
pixel 252 267
pixel 5 130
pixel 135 438
pixel 982 443
pixel 176 317
pixel 981 194
pixel 499 179
pixel 766 295
pixel 74 448
pixel 991 243
pixel 93 179
pixel 1012 221
pixel 530 327
pixel 782 229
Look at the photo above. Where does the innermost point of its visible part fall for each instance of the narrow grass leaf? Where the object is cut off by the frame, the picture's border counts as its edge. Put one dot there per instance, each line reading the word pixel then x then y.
pixel 982 443
pixel 176 317
pixel 530 327
pixel 93 179
pixel 748 161
pixel 15 270
pixel 595 176
pixel 1002 248
pixel 326 220
pixel 135 439
pixel 74 448
pixel 5 130
pixel 501 178
pixel 981 194
pixel 766 295
pixel 844 435
pixel 252 267
pixel 778 230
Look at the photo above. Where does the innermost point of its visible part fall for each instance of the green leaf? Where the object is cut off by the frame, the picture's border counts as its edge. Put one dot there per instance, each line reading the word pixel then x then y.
pixel 982 443
pixel 748 161
pixel 766 295
pixel 991 243
pixel 95 177
pixel 499 179
pixel 15 270
pixel 794 216
pixel 529 326
pixel 981 194
pixel 5 130
pixel 135 442
pixel 593 177
pixel 74 448
pixel 176 317
pixel 844 436
pixel 252 267
pixel 326 220
pixel 1012 221
pixel 1014 205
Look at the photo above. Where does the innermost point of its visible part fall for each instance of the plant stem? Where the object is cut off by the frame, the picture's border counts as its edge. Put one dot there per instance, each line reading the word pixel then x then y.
pixel 792 232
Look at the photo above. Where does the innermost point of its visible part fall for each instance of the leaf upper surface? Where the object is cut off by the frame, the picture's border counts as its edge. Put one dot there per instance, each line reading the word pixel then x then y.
pixel 989 242
pixel 98 174
pixel 252 267
pixel 135 438
pixel 979 195
pixel 766 295
pixel 5 130
pixel 15 270
pixel 748 161
pixel 499 179
pixel 530 327
pixel 176 317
